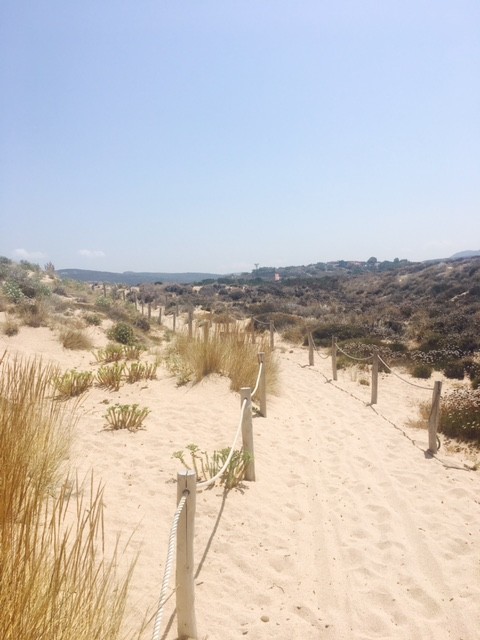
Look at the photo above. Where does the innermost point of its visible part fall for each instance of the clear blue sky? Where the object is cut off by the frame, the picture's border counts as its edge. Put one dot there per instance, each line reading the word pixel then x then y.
pixel 209 135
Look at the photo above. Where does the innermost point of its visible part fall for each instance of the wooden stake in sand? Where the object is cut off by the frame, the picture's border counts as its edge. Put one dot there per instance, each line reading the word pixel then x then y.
pixel 186 622
pixel 434 420
pixel 190 322
pixel 311 360
pixel 334 357
pixel 247 431
pixel 374 397
pixel 272 336
pixel 262 385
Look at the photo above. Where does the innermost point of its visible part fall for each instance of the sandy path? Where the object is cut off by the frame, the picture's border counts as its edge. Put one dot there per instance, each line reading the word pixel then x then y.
pixel 349 532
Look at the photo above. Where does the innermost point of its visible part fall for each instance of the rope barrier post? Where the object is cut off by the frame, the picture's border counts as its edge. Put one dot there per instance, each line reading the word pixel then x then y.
pixel 272 336
pixel 310 349
pixel 334 357
pixel 247 431
pixel 190 322
pixel 174 321
pixel 262 387
pixel 186 623
pixel 205 331
pixel 159 314
pixel 434 420
pixel 374 397
pixel 252 326
pixel 149 311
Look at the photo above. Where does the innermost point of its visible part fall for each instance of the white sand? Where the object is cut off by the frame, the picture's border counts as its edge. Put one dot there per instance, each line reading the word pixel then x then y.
pixel 350 531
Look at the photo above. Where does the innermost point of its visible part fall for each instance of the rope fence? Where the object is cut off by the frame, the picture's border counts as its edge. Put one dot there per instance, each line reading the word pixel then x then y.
pixel 376 360
pixel 183 525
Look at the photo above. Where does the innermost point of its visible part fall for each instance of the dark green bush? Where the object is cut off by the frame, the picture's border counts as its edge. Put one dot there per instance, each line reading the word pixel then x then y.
pixel 122 332
pixel 423 371
pixel 454 370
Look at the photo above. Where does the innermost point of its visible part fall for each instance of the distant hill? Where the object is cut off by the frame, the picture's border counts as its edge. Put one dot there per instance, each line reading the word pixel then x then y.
pixel 465 254
pixel 133 277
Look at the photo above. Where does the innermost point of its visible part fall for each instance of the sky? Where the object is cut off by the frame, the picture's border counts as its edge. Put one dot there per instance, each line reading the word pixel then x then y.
pixel 214 135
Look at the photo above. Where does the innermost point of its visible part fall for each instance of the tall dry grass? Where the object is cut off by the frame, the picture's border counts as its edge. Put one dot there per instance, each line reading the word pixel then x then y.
pixel 55 583
pixel 230 354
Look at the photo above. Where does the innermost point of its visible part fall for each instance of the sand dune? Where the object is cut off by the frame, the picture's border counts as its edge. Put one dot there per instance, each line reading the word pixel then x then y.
pixel 350 531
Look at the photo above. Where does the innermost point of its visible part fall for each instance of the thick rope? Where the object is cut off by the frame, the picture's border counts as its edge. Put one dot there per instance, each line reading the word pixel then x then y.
pixel 257 384
pixel 318 352
pixel 353 357
pixel 168 568
pixel 413 384
pixel 208 483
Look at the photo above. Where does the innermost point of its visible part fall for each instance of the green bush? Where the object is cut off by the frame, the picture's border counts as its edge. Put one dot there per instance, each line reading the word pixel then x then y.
pixel 122 332
pixel 460 415
pixel 423 371
pixel 454 370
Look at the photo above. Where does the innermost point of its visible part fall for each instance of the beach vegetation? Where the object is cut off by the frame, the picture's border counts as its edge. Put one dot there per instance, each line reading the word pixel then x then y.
pixel 55 581
pixel 122 332
pixel 75 339
pixel 126 416
pixel 72 383
pixel 140 371
pixel 110 377
pixel 207 465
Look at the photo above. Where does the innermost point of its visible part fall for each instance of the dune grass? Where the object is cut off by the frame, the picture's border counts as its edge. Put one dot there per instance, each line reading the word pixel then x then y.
pixel 231 355
pixel 55 582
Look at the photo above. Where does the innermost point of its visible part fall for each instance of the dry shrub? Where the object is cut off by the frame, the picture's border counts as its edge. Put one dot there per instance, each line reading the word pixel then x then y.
pixel 54 582
pixel 460 415
pixel 231 355
pixel 10 327
pixel 75 339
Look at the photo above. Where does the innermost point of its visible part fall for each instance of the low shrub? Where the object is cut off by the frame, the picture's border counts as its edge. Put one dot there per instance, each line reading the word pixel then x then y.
pixel 72 383
pixel 10 327
pixel 454 370
pixel 460 415
pixel 132 351
pixel 207 465
pixel 422 371
pixel 122 332
pixel 75 339
pixel 111 353
pixel 126 416
pixel 142 323
pixel 110 377
pixel 93 319
pixel 139 371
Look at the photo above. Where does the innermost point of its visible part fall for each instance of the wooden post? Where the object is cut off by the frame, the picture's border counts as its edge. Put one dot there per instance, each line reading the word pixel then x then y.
pixel 247 431
pixel 174 321
pixel 205 331
pixel 310 349
pixel 135 301
pixel 434 420
pixel 159 314
pixel 262 386
pixel 104 290
pixel 252 326
pixel 374 378
pixel 334 357
pixel 272 336
pixel 177 309
pixel 142 306
pixel 186 623
pixel 149 310
pixel 123 294
pixel 190 322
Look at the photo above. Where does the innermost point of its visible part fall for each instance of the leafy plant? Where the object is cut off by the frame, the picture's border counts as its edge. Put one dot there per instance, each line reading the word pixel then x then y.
pixel 110 377
pixel 126 416
pixel 207 465
pixel 73 383
pixel 122 332
pixel 139 371
pixel 112 353
pixel 132 351
pixel 93 319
